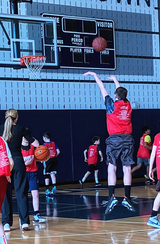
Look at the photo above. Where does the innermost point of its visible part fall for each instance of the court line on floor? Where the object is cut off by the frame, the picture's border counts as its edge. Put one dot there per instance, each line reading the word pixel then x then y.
pixel 87 234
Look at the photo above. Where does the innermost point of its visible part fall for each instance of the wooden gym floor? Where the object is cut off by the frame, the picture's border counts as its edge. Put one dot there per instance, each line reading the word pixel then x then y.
pixel 76 216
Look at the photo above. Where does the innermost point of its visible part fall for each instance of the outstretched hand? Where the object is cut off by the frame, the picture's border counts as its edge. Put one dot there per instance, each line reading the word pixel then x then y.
pixel 99 83
pixel 116 82
pixel 112 77
pixel 89 73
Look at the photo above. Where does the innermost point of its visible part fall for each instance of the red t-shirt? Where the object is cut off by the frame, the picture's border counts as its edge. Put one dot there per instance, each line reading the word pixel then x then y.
pixel 143 152
pixel 52 148
pixel 92 154
pixel 119 122
pixel 28 154
pixel 4 162
pixel 157 144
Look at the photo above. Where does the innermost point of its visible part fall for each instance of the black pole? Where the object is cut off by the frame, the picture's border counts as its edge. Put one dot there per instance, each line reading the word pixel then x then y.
pixel 15 28
pixel 5 32
pixel 13 7
pixel 159 20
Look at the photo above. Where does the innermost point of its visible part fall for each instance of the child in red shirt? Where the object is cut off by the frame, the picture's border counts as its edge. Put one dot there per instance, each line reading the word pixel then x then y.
pixel 32 177
pixel 50 166
pixel 92 160
pixel 153 220
pixel 143 153
pixel 6 165
pixel 120 143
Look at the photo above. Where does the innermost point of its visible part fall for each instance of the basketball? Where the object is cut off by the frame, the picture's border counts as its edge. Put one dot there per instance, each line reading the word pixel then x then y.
pixel 42 153
pixel 99 44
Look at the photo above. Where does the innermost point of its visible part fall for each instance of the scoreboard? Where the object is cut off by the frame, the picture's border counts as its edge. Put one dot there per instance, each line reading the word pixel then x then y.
pixel 74 41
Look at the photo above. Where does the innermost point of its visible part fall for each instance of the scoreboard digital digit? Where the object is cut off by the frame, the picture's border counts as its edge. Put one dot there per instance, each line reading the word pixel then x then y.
pixel 74 41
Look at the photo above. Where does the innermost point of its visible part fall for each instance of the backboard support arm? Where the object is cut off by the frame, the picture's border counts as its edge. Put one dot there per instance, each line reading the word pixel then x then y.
pixel 5 32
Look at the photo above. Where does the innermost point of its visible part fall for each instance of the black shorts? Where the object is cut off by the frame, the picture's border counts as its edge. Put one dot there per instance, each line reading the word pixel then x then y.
pixel 120 147
pixel 158 186
pixel 92 167
pixel 50 166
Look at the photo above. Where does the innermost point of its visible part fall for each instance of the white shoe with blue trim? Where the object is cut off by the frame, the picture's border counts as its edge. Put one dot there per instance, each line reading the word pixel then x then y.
pixel 154 222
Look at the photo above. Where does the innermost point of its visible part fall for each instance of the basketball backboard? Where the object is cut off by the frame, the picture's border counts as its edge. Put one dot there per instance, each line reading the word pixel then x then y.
pixel 27 35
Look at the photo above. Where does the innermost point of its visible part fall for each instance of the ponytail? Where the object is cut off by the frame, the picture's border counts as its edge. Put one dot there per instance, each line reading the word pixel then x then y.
pixel 10 116
pixel 7 129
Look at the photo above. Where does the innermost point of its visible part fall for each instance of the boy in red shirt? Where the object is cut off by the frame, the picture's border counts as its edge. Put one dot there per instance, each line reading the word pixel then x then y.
pixel 120 143
pixel 92 160
pixel 153 220
pixel 143 154
pixel 50 166
pixel 32 177
pixel 6 165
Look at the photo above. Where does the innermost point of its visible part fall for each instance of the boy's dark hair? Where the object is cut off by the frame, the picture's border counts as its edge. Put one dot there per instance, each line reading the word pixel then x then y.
pixel 47 134
pixel 121 93
pixel 95 138
pixel 145 128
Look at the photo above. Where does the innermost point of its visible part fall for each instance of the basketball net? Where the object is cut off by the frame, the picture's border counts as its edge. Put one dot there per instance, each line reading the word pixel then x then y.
pixel 34 64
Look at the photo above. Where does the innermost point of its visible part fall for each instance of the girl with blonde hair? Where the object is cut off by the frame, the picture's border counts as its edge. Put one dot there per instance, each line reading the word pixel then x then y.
pixel 13 134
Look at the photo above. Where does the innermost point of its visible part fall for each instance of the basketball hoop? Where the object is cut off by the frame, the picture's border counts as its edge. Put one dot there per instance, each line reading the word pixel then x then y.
pixel 34 64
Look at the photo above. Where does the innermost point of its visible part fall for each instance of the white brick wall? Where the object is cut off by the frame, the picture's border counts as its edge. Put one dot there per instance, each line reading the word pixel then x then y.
pixel 82 94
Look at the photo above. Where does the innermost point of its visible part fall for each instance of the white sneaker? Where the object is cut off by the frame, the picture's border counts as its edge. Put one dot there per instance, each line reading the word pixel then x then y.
pixel 7 227
pixel 38 219
pixel 25 227
pixel 154 222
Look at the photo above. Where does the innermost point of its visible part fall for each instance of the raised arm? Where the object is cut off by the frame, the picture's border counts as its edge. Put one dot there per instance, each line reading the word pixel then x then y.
pixel 116 82
pixel 99 83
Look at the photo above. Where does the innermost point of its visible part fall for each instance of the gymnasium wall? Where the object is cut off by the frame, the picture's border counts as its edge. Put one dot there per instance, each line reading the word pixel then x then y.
pixel 70 106
pixel 72 130
pixel 137 58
